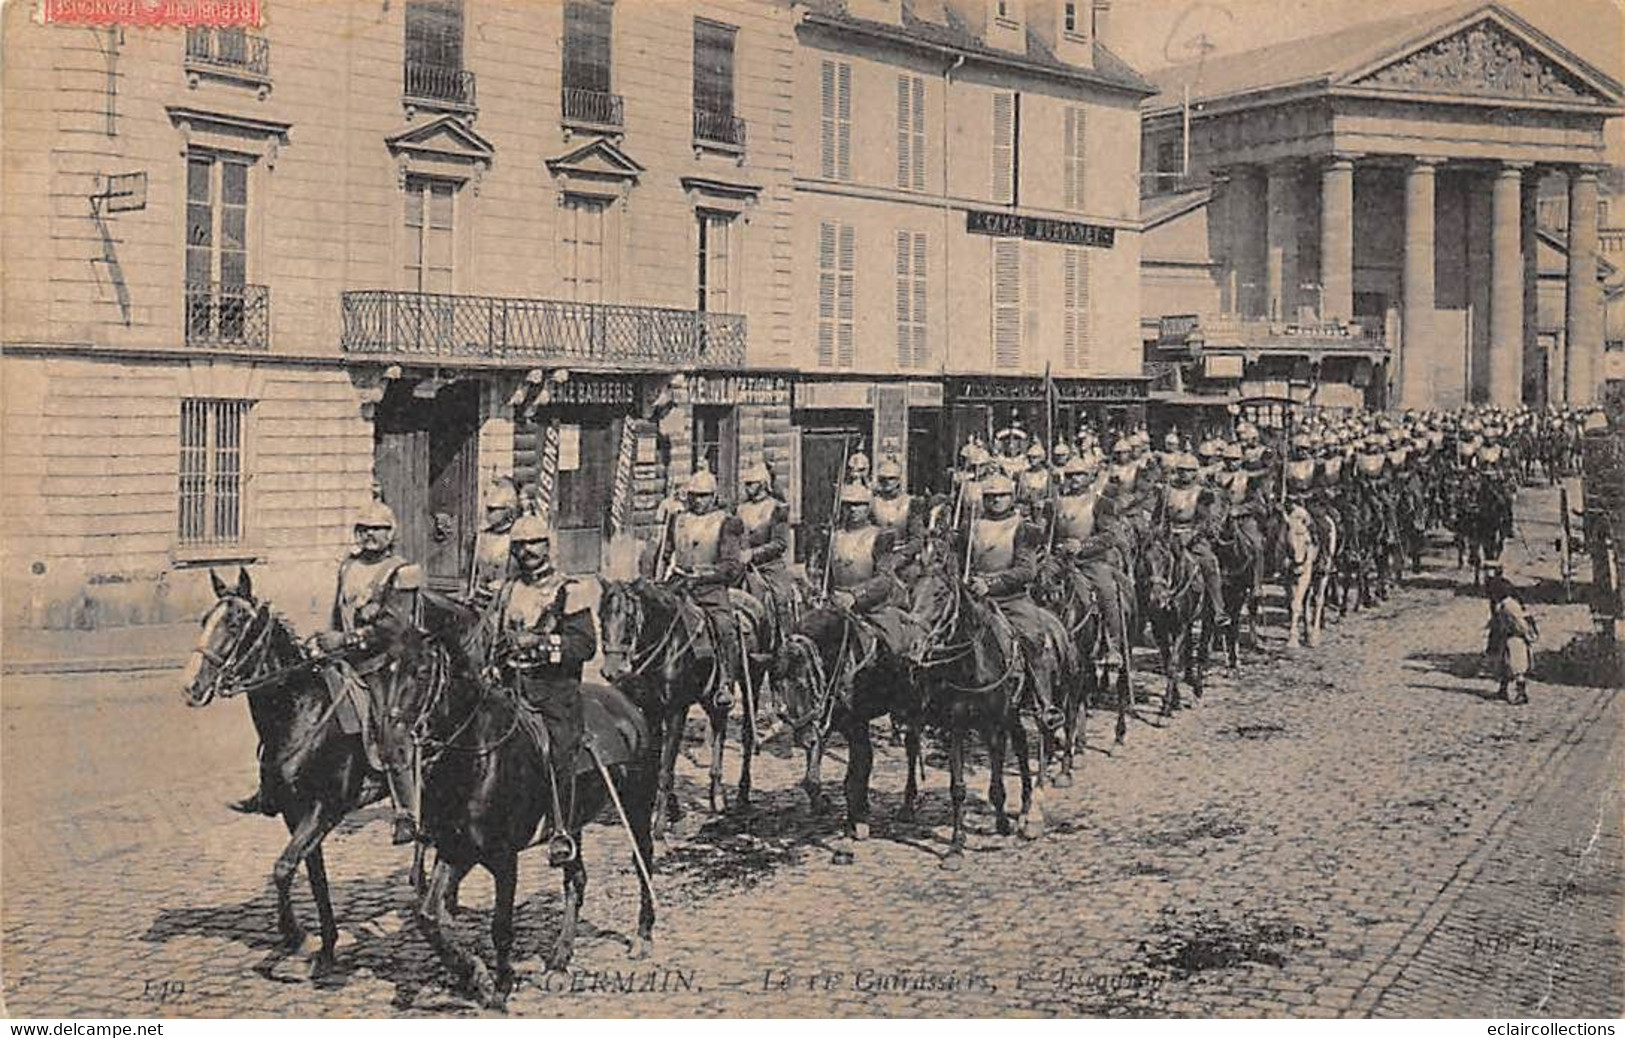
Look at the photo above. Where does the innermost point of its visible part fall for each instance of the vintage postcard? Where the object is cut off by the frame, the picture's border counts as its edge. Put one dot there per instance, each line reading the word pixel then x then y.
pixel 812 508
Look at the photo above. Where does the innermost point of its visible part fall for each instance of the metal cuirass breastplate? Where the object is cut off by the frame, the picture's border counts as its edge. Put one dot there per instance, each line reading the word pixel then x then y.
pixel 698 537
pixel 1182 504
pixel 1075 516
pixel 758 519
pixel 360 584
pixel 891 513
pixel 993 544
pixel 1300 473
pixel 853 556
pixel 1034 485
pixel 1235 484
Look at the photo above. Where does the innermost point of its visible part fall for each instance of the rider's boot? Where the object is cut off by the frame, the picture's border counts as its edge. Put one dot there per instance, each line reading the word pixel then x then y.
pixel 403 793
pixel 561 847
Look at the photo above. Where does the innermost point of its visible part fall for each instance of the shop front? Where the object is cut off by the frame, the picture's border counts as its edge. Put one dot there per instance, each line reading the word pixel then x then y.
pixel 983 407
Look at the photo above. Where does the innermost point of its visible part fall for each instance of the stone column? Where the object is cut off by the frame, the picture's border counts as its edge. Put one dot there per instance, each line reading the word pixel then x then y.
pixel 1337 239
pixel 1535 367
pixel 1222 228
pixel 1418 344
pixel 1247 223
pixel 1281 240
pixel 1583 318
pixel 1506 286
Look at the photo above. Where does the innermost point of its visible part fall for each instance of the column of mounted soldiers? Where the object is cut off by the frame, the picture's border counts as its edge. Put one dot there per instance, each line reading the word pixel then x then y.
pixel 1364 487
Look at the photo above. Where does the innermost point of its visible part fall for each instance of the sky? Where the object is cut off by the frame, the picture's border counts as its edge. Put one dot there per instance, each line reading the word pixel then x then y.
pixel 1149 34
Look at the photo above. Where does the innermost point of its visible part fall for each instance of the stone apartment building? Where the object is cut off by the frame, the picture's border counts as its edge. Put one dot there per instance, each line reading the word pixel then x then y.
pixel 251 278
pixel 966 181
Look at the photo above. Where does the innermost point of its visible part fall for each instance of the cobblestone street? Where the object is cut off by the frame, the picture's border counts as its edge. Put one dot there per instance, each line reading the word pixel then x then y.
pixel 1351 830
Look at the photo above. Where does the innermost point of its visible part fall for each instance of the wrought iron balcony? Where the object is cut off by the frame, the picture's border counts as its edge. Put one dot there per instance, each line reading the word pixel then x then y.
pixel 228 315
pixel 719 128
pixel 439 84
pixel 417 324
pixel 592 108
pixel 236 53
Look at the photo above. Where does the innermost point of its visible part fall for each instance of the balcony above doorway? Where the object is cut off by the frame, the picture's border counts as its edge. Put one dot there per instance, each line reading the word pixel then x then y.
pixel 486 329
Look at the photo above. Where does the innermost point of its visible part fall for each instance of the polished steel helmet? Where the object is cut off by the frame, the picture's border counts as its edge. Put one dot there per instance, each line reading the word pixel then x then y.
pixel 889 469
pixel 530 528
pixel 377 515
pixel 702 482
pixel 756 473
pixel 995 485
pixel 855 494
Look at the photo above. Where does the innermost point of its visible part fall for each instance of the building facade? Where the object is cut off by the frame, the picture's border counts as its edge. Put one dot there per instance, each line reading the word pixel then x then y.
pixel 964 222
pixel 252 278
pixel 1361 207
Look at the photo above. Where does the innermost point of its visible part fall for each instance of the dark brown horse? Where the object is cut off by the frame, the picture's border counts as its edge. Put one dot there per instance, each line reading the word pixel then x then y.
pixel 486 788
pixel 970 671
pixel 1068 594
pixel 649 635
pixel 1175 603
pixel 836 673
pixel 315 772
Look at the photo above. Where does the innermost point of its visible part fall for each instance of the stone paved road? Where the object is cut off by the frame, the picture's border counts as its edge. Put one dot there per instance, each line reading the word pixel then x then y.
pixel 1358 829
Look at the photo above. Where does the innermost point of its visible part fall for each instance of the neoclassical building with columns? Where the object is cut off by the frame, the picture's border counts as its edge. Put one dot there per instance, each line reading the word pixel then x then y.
pixel 1353 215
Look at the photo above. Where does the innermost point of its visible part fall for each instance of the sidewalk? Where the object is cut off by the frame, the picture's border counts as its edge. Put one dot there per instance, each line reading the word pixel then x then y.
pixel 155 647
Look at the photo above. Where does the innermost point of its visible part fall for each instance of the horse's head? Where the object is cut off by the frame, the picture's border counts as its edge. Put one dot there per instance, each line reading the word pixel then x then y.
pixel 934 601
pixel 233 630
pixel 620 622
pixel 802 677
pixel 1157 567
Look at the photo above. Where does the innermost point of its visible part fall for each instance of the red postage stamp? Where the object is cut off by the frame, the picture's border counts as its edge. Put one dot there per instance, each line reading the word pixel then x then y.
pixel 152 13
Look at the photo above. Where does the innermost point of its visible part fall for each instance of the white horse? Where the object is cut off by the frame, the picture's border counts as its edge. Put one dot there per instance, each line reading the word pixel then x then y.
pixel 1300 579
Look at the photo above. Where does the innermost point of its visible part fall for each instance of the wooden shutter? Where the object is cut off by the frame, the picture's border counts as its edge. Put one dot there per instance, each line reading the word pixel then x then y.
pixel 843 122
pixel 1004 147
pixel 1007 314
pixel 920 350
pixel 847 279
pixel 1073 152
pixel 1031 303
pixel 1079 332
pixel 827 133
pixel 826 294
pixel 911 132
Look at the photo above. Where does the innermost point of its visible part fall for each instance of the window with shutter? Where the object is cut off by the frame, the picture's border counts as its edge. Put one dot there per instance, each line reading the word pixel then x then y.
pixel 1004 147
pixel 846 286
pixel 911 133
pixel 1073 152
pixel 911 282
pixel 587 34
pixel 583 251
pixel 1032 302
pixel 836 120
pixel 1078 337
pixel 714 273
pixel 1007 313
pixel 837 281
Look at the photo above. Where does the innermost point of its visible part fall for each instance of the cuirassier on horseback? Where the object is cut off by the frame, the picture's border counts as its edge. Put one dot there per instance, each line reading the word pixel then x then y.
pixel 765 522
pixel 376 600
pixel 706 561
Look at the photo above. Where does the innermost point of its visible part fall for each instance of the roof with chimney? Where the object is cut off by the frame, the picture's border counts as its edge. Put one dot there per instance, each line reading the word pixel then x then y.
pixel 1412 51
pixel 948 31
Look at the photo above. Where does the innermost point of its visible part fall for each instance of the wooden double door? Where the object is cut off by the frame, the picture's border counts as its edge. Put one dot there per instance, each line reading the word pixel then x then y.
pixel 426 457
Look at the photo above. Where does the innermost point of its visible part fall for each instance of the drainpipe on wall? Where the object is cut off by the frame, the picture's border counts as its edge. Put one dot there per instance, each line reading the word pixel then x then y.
pixel 944 418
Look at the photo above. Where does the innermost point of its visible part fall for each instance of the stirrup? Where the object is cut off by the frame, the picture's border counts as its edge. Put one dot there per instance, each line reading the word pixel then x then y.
pixel 562 849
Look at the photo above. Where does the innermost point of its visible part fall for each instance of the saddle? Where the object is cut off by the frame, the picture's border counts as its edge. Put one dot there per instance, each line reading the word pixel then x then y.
pixel 596 718
pixel 752 616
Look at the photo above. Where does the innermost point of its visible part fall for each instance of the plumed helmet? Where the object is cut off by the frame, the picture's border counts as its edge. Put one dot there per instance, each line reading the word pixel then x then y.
pixel 1078 466
pixel 756 473
pixel 1170 439
pixel 995 485
pixel 1232 451
pixel 1210 449
pixel 857 463
pixel 1061 451
pixel 1123 446
pixel 889 469
pixel 1186 462
pixel 530 528
pixel 975 454
pixel 702 482
pixel 855 494
pixel 1037 453
pixel 376 514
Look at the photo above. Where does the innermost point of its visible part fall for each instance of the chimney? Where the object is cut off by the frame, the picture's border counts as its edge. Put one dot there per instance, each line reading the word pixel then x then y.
pixel 1100 24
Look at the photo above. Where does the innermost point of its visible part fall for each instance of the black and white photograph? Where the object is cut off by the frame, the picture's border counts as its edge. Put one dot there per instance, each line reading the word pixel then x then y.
pixel 822 509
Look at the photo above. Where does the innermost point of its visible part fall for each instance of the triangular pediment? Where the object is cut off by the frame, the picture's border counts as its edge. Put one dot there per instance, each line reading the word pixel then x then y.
pixel 446 137
pixel 597 159
pixel 1492 56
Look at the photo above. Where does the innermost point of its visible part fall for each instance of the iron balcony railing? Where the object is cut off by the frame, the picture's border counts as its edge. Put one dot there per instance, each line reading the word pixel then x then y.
pixel 451 326
pixel 232 50
pixel 719 128
pixel 592 107
pixel 439 83
pixel 228 315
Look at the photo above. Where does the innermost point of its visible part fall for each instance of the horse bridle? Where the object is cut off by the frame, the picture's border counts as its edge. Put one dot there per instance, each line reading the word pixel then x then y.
pixel 237 671
pixel 658 647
